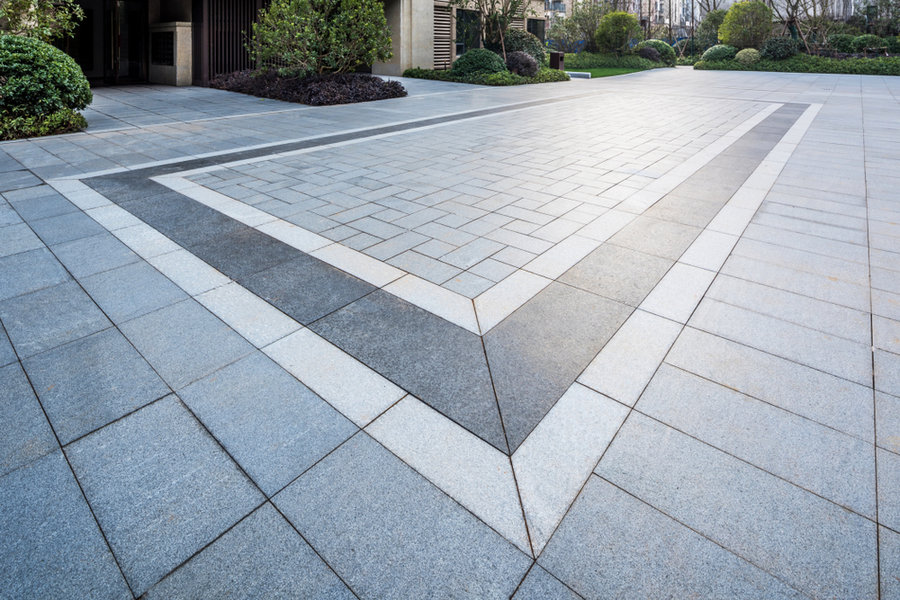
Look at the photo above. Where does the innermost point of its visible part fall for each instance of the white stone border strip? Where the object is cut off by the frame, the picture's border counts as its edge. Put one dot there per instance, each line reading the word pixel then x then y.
pixel 492 306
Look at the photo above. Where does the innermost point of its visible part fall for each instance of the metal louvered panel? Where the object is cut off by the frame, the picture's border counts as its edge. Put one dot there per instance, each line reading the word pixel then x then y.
pixel 517 23
pixel 443 27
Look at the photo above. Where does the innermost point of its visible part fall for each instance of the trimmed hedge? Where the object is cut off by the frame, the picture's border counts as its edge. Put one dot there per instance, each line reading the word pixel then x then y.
pixel 861 42
pixel 37 80
pixel 588 60
pixel 666 52
pixel 804 63
pixel 747 56
pixel 522 63
pixel 841 42
pixel 719 52
pixel 504 78
pixel 478 61
pixel 517 40
pixel 64 120
pixel 318 90
pixel 779 48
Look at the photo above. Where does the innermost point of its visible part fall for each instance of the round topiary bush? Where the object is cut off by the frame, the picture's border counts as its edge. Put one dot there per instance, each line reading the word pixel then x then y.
pixel 747 56
pixel 719 52
pixel 476 61
pixel 517 40
pixel 37 80
pixel 616 31
pixel 779 48
pixel 893 44
pixel 666 52
pixel 522 63
pixel 861 42
pixel 746 25
pixel 841 42
pixel 650 53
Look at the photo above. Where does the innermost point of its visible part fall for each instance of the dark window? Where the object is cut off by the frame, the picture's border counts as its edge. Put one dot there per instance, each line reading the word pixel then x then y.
pixel 536 28
pixel 468 30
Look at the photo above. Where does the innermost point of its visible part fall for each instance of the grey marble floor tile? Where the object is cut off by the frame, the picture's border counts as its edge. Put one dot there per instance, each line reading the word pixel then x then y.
pixel 184 342
pixel 826 462
pixel 390 534
pixel 50 317
pixel 27 435
pixel 272 425
pixel 18 238
pixel 51 546
pixel 438 362
pixel 92 381
pixel 131 291
pixel 65 228
pixel 306 288
pixel 29 271
pixel 261 557
pixel 7 354
pixel 887 421
pixel 808 542
pixel 612 545
pixel 618 273
pixel 161 489
pixel 242 253
pixel 538 351
pixel 889 489
pixel 541 585
pixel 659 238
pixel 94 254
pixel 887 372
pixel 890 563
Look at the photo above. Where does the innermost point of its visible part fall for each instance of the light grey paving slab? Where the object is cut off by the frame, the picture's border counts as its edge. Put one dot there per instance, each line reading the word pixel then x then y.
pixel 18 238
pixel 834 355
pixel 612 545
pixel 390 534
pixel 659 238
pixel 27 434
pixel 94 254
pixel 184 342
pixel 890 563
pixel 618 273
pixel 131 291
pixel 886 333
pixel 66 227
pixel 29 271
pixel 50 317
pixel 887 421
pixel 39 203
pixel 541 585
pixel 824 316
pixel 826 462
pixel 51 546
pixel 92 381
pixel 468 284
pixel 425 267
pixel 160 487
pixel 807 541
pixel 272 425
pixel 887 372
pixel 836 402
pixel 261 557
pixel 889 489
pixel 801 260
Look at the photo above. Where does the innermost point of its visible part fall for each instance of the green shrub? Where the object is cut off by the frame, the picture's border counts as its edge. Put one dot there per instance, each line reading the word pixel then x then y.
pixel 616 32
pixel 587 60
pixel 805 63
pixel 718 53
pixel 64 120
pixel 38 80
pixel 841 42
pixel 306 37
pixel 478 60
pixel 779 48
pixel 517 40
pixel 46 20
pixel 708 31
pixel 746 24
pixel 523 64
pixel 893 44
pixel 861 42
pixel 650 53
pixel 502 78
pixel 685 48
pixel 666 52
pixel 747 56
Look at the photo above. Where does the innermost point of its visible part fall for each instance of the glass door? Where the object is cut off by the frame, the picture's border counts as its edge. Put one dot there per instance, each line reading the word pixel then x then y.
pixel 127 41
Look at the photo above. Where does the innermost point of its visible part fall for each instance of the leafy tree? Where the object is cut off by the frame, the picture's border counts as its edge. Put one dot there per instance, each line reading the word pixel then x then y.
pixel 586 18
pixel 747 24
pixel 616 32
pixel 306 37
pixel 708 31
pixel 496 17
pixel 564 35
pixel 46 20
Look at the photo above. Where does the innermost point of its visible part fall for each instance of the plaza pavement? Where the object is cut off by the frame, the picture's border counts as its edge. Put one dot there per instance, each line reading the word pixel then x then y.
pixel 621 338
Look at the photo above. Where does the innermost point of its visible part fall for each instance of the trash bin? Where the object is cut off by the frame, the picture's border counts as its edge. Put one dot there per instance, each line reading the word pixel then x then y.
pixel 556 61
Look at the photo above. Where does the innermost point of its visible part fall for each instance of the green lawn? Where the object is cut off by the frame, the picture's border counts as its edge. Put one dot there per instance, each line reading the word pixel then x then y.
pixel 604 72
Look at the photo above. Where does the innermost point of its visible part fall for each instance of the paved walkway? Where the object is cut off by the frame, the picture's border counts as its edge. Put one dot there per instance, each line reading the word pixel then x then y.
pixel 630 337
